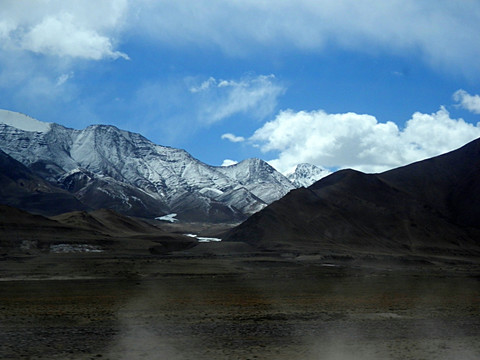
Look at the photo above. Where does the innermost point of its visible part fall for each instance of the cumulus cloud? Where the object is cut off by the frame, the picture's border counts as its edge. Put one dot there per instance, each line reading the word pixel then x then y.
pixel 359 141
pixel 221 99
pixel 467 101
pixel 441 32
pixel 233 138
pixel 76 29
pixel 60 37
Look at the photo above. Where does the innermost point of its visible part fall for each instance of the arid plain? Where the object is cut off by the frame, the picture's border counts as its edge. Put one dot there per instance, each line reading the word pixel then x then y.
pixel 229 301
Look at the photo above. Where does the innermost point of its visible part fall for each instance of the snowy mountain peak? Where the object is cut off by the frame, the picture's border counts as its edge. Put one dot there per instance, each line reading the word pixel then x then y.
pixel 23 122
pixel 259 178
pixel 250 167
pixel 305 174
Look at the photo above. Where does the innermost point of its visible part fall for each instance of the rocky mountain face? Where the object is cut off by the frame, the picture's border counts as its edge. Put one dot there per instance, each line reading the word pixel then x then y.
pixel 103 166
pixel 430 207
pixel 305 175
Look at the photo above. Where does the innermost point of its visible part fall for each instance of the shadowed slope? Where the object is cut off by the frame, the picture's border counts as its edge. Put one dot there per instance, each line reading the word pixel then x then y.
pixel 108 222
pixel 21 188
pixel 18 227
pixel 104 228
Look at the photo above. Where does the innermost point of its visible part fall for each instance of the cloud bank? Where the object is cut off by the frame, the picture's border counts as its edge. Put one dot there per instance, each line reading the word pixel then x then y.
pixel 442 33
pixel 429 29
pixel 90 29
pixel 359 141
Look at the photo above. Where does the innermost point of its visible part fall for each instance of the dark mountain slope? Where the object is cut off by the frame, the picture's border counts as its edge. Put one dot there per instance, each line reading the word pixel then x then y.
pixel 18 227
pixel 21 188
pixel 427 207
pixel 448 183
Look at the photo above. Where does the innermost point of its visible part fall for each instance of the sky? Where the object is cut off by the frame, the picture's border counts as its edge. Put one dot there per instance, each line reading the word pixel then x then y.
pixel 363 84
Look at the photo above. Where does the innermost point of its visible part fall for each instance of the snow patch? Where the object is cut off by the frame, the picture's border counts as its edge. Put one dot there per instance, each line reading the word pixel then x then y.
pixel 208 239
pixel 203 239
pixel 23 122
pixel 168 217
pixel 209 190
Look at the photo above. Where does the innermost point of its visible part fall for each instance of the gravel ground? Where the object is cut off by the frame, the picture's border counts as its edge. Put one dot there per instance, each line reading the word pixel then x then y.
pixel 95 307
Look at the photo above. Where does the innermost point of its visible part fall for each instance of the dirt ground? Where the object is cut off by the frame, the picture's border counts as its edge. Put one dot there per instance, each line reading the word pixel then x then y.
pixel 244 306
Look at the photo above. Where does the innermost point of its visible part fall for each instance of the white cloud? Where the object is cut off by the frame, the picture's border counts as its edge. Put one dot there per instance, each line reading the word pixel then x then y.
pixel 359 141
pixel 76 29
pixel 60 37
pixel 441 32
pixel 233 138
pixel 467 101
pixel 228 162
pixel 204 85
pixel 221 99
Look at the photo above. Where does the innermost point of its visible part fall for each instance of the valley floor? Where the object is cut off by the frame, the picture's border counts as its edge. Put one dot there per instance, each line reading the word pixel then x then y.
pixel 201 305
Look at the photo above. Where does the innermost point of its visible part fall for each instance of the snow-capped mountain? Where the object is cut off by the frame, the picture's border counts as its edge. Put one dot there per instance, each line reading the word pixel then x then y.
pixel 107 167
pixel 305 175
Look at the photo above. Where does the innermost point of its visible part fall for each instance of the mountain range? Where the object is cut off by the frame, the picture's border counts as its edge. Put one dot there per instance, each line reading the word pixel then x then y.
pixel 105 167
pixel 428 207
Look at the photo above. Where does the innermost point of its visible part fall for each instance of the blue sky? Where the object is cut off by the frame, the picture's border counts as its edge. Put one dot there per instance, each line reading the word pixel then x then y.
pixel 367 84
